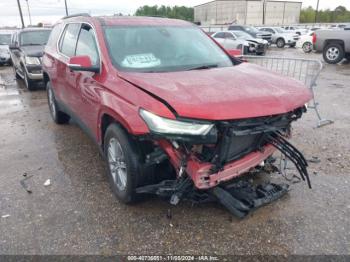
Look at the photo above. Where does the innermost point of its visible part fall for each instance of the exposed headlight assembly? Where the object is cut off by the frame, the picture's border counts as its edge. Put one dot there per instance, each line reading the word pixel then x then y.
pixel 163 125
pixel 30 60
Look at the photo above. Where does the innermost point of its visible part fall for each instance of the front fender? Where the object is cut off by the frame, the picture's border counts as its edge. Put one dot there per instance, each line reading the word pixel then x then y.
pixel 123 102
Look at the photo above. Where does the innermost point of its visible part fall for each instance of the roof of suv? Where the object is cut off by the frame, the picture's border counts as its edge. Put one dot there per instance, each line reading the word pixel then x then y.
pixel 130 20
pixel 30 29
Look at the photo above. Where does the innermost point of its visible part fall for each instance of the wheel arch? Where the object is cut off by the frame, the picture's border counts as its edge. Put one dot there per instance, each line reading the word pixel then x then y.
pixel 334 41
pixel 108 116
pixel 46 78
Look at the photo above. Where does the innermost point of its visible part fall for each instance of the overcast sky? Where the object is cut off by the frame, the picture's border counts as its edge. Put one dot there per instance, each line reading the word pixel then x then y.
pixel 52 10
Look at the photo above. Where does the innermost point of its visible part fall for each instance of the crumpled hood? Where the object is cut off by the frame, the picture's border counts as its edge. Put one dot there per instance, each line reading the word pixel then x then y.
pixel 35 50
pixel 241 91
pixel 255 40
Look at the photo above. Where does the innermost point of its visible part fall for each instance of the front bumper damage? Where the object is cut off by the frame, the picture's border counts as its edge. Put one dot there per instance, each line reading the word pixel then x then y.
pixel 205 171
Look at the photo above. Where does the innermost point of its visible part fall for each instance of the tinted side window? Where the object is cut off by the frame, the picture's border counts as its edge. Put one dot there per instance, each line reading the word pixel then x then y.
pixel 87 44
pixel 229 36
pixel 55 33
pixel 69 39
pixel 220 35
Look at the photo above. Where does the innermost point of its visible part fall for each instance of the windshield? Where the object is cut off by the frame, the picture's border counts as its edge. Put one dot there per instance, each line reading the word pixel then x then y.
pixel 243 35
pixel 5 39
pixel 280 30
pixel 163 49
pixel 251 29
pixel 34 37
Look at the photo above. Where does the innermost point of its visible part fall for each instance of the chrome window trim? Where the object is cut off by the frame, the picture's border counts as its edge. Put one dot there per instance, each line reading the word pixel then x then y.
pixel 95 36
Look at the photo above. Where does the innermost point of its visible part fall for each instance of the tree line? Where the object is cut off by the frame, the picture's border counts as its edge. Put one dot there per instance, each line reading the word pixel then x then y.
pixel 338 15
pixel 179 12
pixel 307 15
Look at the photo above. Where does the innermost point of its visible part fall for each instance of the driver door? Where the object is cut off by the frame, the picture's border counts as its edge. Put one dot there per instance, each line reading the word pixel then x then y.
pixel 88 84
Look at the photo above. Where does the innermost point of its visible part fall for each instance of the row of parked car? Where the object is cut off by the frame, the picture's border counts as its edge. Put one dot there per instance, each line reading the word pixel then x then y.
pixel 24 50
pixel 333 42
pixel 255 40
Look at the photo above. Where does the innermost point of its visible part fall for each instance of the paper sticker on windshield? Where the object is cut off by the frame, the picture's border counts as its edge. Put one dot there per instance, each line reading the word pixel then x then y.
pixel 141 61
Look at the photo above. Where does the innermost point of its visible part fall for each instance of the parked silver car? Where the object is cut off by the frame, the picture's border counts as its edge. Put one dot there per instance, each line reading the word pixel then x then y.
pixel 241 40
pixel 296 30
pixel 229 40
pixel 281 37
pixel 5 39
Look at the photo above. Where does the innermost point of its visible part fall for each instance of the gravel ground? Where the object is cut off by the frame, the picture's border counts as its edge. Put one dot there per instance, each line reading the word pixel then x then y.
pixel 77 213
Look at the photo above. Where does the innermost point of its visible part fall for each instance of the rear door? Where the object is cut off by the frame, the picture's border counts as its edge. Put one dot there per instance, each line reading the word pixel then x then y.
pixel 66 89
pixel 89 83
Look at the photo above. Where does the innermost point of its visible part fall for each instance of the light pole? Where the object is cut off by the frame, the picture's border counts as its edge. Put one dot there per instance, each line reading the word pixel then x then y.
pixel 264 11
pixel 30 17
pixel 316 14
pixel 20 12
pixel 65 4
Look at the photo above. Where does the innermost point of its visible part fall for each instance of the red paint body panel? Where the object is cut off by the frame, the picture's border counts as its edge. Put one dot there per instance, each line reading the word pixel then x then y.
pixel 203 179
pixel 241 91
pixel 200 171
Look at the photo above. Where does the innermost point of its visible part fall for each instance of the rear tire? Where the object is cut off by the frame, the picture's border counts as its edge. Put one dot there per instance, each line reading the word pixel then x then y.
pixel 333 53
pixel 30 85
pixel 280 43
pixel 307 47
pixel 123 162
pixel 57 116
pixel 18 77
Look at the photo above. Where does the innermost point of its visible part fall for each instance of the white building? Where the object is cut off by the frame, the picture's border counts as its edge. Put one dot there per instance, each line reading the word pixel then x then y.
pixel 250 12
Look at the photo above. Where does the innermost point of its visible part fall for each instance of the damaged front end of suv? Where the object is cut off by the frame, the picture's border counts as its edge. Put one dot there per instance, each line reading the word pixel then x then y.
pixel 207 155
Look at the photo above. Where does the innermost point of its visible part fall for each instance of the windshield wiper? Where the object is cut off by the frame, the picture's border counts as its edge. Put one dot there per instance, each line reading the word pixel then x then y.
pixel 203 67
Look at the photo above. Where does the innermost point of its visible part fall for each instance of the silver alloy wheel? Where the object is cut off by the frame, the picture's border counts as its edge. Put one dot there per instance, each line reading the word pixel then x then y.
pixel 117 165
pixel 307 47
pixel 333 53
pixel 52 104
pixel 280 43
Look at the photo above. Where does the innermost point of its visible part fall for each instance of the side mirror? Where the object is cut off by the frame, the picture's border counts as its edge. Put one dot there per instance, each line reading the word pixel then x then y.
pixel 82 63
pixel 13 46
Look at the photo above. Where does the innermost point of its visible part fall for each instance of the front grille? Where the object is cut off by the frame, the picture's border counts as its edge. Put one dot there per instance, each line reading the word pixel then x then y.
pixel 260 47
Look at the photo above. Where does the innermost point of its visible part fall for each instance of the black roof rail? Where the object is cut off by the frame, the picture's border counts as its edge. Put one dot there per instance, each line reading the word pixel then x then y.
pixel 75 15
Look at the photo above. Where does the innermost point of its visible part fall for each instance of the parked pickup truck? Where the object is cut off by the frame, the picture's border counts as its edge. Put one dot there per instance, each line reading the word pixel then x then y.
pixel 335 44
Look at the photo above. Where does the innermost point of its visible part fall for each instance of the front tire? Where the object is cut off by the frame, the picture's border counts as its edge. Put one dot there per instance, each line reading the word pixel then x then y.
pixel 280 43
pixel 333 53
pixel 123 163
pixel 28 82
pixel 57 116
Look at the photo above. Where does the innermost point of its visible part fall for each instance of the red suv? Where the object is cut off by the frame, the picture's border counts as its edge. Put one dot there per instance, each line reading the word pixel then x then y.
pixel 171 111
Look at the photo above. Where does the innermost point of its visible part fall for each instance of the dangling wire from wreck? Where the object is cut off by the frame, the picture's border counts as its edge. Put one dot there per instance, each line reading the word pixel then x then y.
pixel 279 142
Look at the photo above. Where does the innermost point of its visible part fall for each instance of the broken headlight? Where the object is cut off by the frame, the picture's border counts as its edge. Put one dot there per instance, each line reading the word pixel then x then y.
pixel 163 125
